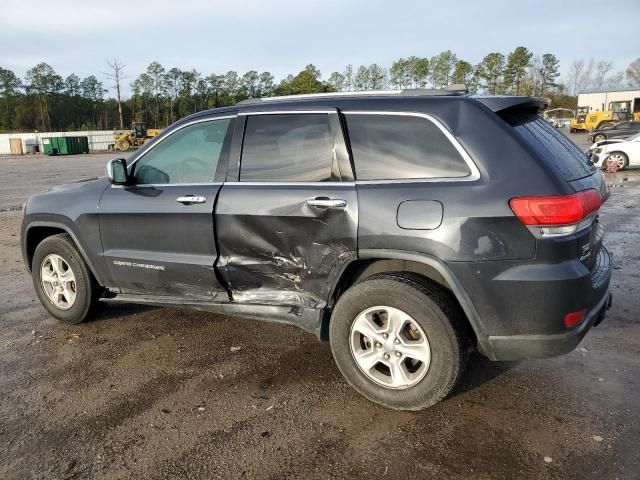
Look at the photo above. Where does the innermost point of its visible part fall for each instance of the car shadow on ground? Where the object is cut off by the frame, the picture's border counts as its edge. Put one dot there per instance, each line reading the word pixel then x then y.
pixel 110 311
pixel 480 370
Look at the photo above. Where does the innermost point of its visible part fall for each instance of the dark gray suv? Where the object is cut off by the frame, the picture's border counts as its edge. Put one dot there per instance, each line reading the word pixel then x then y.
pixel 407 228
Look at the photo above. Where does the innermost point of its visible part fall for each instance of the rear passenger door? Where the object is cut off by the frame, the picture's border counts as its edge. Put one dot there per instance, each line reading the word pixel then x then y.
pixel 287 220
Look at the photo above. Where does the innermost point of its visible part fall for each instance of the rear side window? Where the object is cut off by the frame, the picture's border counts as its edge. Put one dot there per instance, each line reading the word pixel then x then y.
pixel 287 148
pixel 392 147
pixel 552 146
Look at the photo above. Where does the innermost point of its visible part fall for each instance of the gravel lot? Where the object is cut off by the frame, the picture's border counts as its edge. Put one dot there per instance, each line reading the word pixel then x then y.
pixel 159 393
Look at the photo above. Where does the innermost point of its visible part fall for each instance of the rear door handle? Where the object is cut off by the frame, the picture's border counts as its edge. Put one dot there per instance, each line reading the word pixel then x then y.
pixel 188 199
pixel 324 202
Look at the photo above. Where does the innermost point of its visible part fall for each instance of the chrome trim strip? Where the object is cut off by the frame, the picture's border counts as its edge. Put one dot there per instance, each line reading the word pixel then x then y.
pixel 165 135
pixel 212 184
pixel 473 176
pixel 292 184
pixel 286 112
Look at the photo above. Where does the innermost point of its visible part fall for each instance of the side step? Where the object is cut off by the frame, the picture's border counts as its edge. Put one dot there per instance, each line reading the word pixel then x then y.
pixel 309 319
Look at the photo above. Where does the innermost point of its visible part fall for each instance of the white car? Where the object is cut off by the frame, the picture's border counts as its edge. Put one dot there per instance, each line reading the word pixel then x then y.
pixel 625 152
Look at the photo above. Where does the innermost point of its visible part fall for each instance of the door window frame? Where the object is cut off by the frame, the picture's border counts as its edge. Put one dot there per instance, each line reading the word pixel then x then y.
pixel 341 168
pixel 223 161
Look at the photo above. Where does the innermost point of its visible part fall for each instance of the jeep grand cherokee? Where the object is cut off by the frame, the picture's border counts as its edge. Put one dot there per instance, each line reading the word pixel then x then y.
pixel 406 228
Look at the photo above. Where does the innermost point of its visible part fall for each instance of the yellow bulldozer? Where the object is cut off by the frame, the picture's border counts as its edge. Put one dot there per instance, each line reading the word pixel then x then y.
pixel 135 137
pixel 586 120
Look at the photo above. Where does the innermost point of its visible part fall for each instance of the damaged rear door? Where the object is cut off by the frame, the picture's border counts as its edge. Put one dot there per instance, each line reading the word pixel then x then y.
pixel 287 224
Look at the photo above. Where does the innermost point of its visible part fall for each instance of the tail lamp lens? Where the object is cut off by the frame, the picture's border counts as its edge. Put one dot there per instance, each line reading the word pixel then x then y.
pixel 556 209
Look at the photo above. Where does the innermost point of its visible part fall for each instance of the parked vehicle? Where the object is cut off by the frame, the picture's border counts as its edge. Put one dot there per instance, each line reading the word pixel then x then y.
pixel 624 152
pixel 619 130
pixel 405 228
pixel 556 120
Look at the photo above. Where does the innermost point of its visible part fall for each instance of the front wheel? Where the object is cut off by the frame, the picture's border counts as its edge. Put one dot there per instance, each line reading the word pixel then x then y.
pixel 620 159
pixel 399 341
pixel 63 283
pixel 599 138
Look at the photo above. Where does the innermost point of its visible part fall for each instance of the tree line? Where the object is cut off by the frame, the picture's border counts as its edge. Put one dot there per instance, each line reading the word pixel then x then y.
pixel 45 101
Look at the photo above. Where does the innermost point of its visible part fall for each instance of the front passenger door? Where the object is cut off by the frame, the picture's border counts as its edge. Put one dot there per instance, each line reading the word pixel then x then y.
pixel 158 234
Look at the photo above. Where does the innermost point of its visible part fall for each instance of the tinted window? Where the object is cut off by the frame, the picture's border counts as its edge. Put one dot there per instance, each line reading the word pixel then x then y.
pixel 190 155
pixel 552 146
pixel 401 147
pixel 287 148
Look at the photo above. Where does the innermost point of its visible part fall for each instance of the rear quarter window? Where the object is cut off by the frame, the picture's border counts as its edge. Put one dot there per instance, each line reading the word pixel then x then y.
pixel 392 147
pixel 552 146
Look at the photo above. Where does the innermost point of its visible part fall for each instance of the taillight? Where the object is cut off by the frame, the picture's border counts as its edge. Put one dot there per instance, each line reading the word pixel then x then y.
pixel 556 210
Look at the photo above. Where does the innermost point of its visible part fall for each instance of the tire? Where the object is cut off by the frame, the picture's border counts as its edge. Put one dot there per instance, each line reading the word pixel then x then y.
pixel 431 308
pixel 599 138
pixel 621 157
pixel 572 130
pixel 69 308
pixel 123 145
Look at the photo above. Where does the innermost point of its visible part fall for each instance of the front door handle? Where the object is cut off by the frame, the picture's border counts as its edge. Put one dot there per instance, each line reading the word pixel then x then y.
pixel 189 199
pixel 325 202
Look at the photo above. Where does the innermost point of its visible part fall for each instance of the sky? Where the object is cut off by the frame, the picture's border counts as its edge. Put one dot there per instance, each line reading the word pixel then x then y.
pixel 282 36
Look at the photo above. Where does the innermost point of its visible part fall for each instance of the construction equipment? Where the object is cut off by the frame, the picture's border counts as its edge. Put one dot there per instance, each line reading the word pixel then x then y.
pixel 135 137
pixel 619 111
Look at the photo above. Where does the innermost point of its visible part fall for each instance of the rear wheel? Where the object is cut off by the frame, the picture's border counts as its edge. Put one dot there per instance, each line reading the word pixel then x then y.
pixel 399 341
pixel 599 137
pixel 62 281
pixel 620 158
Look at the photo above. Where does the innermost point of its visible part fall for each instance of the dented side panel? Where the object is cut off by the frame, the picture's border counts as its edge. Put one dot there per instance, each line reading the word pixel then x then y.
pixel 274 248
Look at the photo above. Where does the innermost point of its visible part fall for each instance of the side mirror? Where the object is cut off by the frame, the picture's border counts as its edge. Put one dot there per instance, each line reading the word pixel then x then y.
pixel 117 171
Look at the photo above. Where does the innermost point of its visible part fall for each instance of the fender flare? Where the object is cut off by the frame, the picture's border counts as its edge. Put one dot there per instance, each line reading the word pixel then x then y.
pixel 67 229
pixel 447 274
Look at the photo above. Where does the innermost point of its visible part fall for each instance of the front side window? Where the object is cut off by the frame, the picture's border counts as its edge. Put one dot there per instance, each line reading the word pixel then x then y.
pixel 287 148
pixel 392 147
pixel 189 155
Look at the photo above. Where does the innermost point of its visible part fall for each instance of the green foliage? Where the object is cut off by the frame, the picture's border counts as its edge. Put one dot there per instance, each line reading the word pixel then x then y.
pixel 490 72
pixel 159 96
pixel 549 73
pixel 462 72
pixel 442 66
pixel 518 62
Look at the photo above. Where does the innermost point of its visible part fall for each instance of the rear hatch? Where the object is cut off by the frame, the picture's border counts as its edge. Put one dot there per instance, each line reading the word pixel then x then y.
pixel 567 161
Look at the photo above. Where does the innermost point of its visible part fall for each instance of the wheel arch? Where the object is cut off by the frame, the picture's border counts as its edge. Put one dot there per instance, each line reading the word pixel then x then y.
pixel 38 231
pixel 374 261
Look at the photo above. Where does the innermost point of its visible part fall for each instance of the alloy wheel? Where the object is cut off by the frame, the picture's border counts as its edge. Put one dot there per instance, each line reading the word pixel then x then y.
pixel 390 347
pixel 58 281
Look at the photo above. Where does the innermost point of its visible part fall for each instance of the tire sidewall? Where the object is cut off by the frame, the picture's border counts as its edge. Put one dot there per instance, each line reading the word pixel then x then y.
pixel 60 245
pixel 445 349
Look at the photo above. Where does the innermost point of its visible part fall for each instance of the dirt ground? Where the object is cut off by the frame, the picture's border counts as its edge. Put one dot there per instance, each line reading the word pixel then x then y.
pixel 161 393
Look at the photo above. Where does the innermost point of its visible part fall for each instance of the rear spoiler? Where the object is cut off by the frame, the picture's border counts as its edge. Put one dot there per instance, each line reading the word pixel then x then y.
pixel 500 103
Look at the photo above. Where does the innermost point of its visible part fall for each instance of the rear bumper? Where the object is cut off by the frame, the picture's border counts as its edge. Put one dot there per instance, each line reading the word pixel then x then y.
pixel 523 307
pixel 521 347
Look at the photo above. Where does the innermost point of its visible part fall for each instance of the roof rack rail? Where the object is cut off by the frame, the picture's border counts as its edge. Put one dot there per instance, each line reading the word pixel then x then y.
pixel 451 90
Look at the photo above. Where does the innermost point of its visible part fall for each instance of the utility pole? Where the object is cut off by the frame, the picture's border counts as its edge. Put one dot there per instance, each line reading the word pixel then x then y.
pixel 116 76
